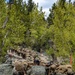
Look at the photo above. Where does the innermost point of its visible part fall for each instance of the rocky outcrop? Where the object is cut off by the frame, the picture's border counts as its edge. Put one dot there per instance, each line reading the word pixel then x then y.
pixel 27 56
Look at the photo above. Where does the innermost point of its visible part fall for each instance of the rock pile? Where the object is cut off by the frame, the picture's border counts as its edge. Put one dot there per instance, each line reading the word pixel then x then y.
pixel 27 56
pixel 61 69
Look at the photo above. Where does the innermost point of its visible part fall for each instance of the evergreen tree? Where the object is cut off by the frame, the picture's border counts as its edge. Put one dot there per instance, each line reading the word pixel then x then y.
pixel 30 6
pixel 62 31
pixel 69 1
pixel 37 28
pixel 3 21
pixel 11 24
pixel 61 3
pixel 74 3
pixel 51 15
pixel 15 23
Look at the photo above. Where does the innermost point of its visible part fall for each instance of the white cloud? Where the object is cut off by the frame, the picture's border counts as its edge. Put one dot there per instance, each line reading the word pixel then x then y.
pixel 46 10
pixel 46 4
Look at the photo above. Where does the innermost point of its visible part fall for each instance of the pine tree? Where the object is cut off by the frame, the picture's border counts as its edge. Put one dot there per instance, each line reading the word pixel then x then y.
pixel 74 3
pixel 62 29
pixel 37 27
pixel 61 3
pixel 15 23
pixel 3 21
pixel 30 6
pixel 11 24
pixel 51 15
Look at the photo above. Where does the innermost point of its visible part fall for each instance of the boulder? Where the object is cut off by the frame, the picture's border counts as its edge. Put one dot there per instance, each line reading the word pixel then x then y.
pixel 19 66
pixel 61 69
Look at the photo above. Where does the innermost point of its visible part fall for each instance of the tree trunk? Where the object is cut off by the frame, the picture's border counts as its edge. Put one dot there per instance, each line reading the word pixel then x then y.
pixel 54 58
